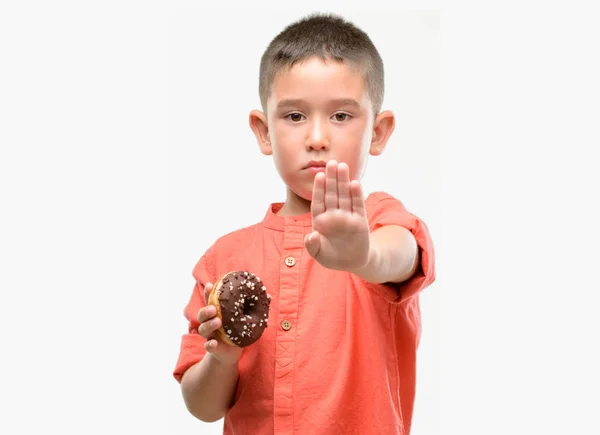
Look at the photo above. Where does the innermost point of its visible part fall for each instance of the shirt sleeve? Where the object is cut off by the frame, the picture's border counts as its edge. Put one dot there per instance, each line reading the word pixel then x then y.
pixel 192 344
pixel 384 209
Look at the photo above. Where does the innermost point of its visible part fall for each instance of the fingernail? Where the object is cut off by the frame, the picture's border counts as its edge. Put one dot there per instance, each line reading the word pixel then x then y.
pixel 214 323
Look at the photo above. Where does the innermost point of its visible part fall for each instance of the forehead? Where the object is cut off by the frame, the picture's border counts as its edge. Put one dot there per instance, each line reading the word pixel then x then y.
pixel 316 80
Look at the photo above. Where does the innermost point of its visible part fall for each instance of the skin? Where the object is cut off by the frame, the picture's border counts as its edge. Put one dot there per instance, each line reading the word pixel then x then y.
pixel 317 111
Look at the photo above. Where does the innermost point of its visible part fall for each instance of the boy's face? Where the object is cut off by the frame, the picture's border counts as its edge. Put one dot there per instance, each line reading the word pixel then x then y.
pixel 317 112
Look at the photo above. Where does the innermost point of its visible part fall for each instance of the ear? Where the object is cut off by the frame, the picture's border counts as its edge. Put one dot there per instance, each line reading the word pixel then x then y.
pixel 258 124
pixel 383 127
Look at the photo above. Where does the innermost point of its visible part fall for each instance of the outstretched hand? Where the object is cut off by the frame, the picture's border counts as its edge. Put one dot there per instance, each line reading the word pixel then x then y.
pixel 340 238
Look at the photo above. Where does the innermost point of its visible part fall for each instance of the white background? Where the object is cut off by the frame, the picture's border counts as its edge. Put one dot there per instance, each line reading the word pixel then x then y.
pixel 214 58
pixel 86 311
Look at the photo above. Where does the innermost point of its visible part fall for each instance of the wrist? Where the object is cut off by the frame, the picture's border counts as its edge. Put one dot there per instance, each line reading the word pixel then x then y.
pixel 368 270
pixel 220 364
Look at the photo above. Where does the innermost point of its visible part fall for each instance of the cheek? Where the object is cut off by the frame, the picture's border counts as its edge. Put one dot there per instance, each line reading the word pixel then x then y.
pixel 284 160
pixel 287 142
pixel 283 153
pixel 355 150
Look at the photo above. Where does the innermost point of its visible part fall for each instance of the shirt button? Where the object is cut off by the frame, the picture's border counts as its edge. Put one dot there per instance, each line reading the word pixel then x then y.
pixel 290 261
pixel 286 325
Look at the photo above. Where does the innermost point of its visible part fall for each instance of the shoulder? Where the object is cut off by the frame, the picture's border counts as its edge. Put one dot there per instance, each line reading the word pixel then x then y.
pixel 223 248
pixel 381 199
pixel 237 237
pixel 384 209
pixel 378 203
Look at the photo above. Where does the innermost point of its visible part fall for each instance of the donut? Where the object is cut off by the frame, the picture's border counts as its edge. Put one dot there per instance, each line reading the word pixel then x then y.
pixel 242 304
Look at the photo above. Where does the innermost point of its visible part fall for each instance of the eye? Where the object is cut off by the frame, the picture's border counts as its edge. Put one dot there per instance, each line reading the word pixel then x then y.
pixel 341 117
pixel 294 117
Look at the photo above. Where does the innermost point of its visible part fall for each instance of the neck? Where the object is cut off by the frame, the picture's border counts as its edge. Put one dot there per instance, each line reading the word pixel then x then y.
pixel 294 205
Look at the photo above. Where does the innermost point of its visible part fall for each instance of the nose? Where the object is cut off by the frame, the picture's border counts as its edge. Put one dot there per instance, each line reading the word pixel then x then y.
pixel 317 138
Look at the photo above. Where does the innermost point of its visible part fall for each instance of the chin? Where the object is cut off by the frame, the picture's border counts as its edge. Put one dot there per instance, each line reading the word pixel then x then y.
pixel 302 193
pixel 305 196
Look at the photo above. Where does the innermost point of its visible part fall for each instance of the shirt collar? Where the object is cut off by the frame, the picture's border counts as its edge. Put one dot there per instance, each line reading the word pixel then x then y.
pixel 276 222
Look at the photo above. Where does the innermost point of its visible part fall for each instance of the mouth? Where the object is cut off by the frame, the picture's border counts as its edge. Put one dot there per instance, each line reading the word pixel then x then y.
pixel 315 164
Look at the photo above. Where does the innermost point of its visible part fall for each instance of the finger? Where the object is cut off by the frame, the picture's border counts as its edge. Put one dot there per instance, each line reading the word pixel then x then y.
pixel 207 329
pixel 211 345
pixel 312 242
pixel 358 203
pixel 317 205
pixel 331 193
pixel 206 313
pixel 343 178
pixel 207 289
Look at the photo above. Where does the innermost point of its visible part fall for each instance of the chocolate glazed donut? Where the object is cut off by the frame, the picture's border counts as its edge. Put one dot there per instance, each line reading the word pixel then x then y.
pixel 242 304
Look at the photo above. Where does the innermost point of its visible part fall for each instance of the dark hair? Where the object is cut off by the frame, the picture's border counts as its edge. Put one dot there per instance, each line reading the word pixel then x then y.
pixel 329 37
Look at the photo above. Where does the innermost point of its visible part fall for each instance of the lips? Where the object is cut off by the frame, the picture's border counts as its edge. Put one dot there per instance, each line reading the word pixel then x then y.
pixel 315 164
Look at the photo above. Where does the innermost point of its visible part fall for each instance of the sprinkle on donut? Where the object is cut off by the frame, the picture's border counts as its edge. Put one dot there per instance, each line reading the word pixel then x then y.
pixel 244 307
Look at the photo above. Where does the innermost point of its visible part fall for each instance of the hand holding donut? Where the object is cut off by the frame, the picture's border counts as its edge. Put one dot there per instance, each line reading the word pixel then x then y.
pixel 236 314
pixel 209 325
pixel 340 238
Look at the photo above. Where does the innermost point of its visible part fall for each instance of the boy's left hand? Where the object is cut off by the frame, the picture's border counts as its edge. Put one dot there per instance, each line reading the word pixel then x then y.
pixel 340 238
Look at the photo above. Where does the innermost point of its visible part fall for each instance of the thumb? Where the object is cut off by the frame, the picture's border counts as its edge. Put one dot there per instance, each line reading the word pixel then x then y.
pixel 312 242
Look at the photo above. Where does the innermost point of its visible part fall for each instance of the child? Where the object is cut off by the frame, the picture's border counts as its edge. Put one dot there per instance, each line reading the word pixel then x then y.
pixel 344 272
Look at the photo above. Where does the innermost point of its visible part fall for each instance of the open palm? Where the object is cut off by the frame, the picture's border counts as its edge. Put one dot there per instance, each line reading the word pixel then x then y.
pixel 340 238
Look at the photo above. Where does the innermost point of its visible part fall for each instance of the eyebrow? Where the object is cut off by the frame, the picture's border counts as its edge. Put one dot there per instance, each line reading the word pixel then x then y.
pixel 337 102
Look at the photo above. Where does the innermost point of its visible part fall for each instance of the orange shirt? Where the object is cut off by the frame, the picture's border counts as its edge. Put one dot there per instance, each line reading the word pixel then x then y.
pixel 339 354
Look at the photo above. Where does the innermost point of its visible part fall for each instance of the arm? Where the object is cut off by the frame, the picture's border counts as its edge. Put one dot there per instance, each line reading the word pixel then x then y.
pixel 341 238
pixel 393 256
pixel 208 388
